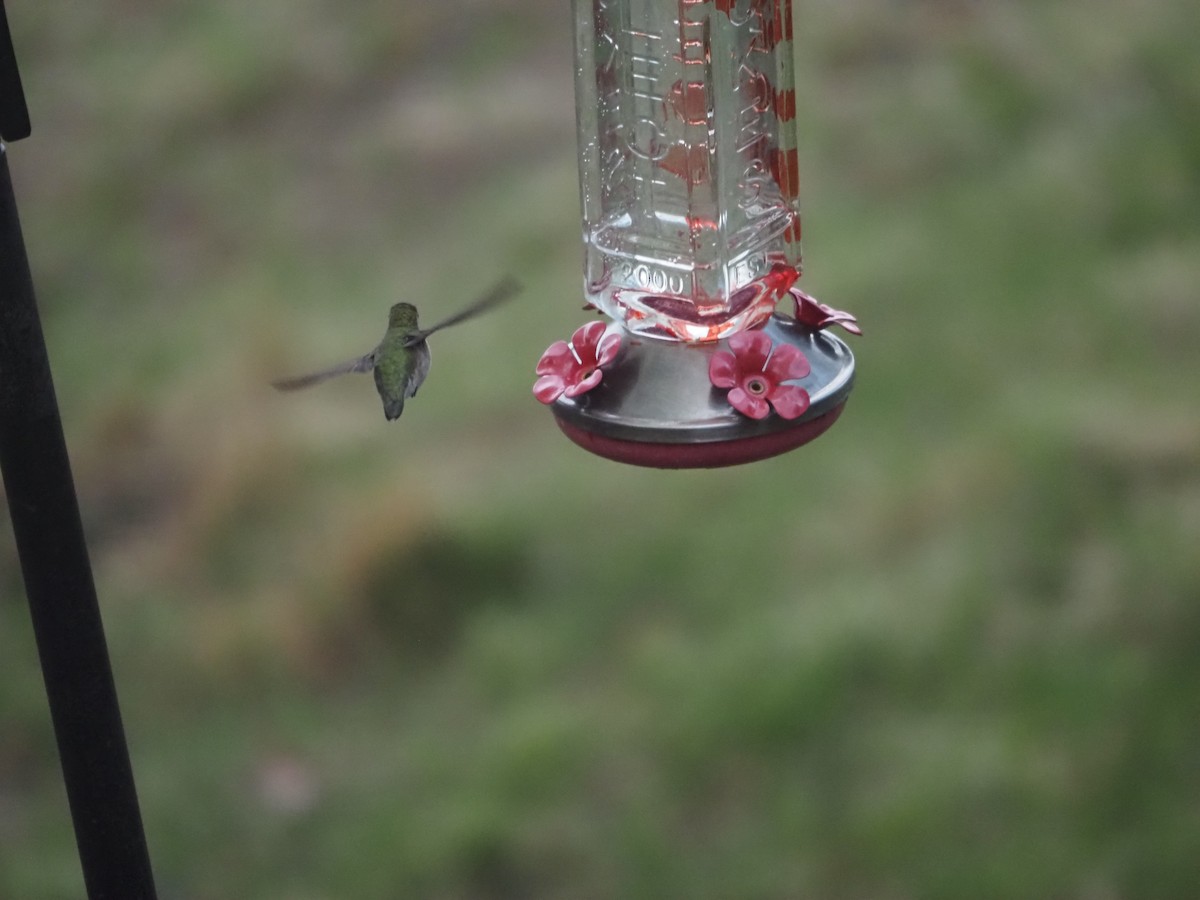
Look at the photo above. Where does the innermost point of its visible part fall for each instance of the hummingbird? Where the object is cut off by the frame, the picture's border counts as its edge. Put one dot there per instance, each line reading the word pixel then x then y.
pixel 401 360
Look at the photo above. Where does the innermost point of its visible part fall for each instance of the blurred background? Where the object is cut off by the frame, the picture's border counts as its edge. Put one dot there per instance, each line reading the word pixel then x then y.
pixel 947 650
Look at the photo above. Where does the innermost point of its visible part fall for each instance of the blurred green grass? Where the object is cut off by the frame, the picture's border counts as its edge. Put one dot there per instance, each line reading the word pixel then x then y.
pixel 949 650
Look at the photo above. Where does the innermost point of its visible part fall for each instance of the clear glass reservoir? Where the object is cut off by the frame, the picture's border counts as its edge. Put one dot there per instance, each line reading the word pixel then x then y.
pixel 687 160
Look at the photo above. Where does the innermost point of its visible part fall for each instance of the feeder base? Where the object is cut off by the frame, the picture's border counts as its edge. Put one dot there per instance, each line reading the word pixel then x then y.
pixel 712 455
pixel 656 406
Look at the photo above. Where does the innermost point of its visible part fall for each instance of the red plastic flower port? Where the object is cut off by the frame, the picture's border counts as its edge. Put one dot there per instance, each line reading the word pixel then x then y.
pixel 814 314
pixel 754 370
pixel 575 367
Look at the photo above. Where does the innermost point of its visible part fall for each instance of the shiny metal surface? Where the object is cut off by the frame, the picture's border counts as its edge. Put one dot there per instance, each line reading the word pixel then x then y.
pixel 659 391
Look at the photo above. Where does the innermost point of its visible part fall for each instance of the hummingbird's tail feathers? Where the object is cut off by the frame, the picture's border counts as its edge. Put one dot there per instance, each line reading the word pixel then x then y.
pixel 361 364
pixel 503 290
pixel 393 407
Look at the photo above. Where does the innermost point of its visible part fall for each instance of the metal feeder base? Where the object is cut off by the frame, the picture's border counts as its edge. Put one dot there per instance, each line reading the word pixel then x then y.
pixel 656 406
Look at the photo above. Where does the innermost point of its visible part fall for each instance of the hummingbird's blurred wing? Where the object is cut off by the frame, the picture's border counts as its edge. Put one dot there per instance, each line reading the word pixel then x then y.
pixel 362 364
pixel 500 292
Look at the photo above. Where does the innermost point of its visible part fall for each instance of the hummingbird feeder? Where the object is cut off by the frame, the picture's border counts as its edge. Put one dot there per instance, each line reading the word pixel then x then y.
pixel 689 184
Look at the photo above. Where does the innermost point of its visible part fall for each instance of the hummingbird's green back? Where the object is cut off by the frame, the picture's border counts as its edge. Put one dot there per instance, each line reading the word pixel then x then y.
pixel 400 367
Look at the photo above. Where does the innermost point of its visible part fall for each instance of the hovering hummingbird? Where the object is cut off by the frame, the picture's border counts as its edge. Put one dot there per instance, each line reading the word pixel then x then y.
pixel 401 360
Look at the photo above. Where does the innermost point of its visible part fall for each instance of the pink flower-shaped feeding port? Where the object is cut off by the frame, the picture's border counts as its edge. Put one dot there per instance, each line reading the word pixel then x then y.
pixel 754 369
pixel 575 367
pixel 816 315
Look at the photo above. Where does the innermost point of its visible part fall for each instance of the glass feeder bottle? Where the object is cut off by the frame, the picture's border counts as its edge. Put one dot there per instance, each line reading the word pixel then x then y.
pixel 688 164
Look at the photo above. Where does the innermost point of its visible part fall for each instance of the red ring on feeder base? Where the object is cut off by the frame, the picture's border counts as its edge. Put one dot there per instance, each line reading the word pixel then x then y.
pixel 712 455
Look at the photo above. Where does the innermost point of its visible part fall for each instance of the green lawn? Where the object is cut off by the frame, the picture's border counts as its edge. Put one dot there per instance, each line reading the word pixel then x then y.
pixel 949 650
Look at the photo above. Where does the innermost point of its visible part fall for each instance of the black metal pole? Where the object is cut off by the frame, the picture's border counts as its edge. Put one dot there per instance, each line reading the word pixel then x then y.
pixel 55 565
